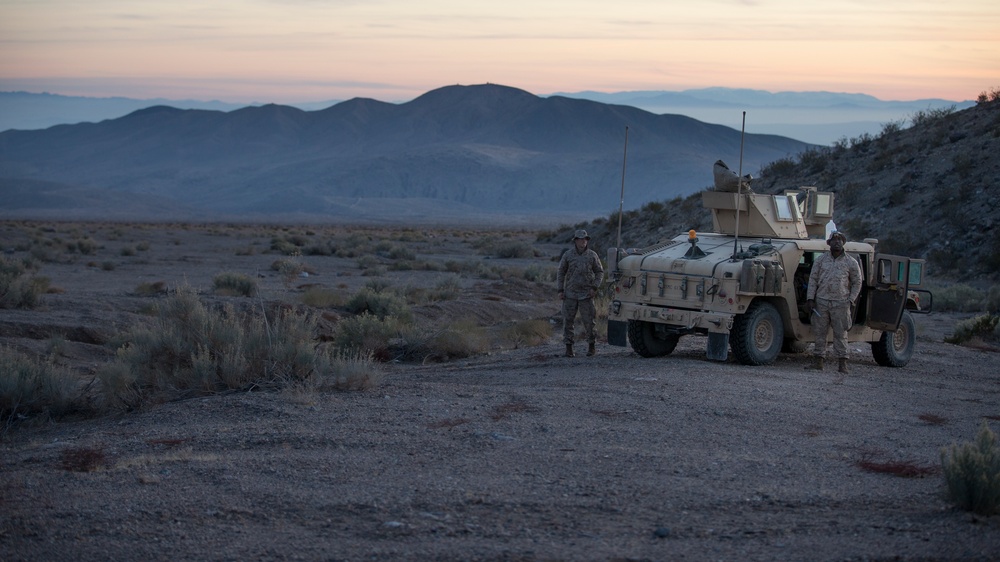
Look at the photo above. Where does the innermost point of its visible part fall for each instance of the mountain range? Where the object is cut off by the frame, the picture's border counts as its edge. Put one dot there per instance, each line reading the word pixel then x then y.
pixel 816 117
pixel 455 152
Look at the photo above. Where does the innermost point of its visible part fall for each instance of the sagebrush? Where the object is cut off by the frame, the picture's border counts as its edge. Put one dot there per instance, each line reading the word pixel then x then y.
pixel 190 349
pixel 972 473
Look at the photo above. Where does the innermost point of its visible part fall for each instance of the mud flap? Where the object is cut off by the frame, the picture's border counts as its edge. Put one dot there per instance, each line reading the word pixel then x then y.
pixel 618 333
pixel 718 346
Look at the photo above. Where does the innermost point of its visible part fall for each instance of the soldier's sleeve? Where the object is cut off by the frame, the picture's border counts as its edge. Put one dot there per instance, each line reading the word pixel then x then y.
pixel 598 271
pixel 813 279
pixel 854 275
pixel 561 273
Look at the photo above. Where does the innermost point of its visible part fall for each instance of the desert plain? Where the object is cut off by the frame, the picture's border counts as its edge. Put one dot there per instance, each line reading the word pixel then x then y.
pixel 511 453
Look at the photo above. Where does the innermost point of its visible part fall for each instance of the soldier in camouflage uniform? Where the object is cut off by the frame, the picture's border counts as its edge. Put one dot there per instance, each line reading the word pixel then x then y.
pixel 580 276
pixel 834 286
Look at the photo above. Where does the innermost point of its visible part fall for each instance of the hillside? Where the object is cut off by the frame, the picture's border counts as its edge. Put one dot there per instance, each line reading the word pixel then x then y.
pixel 928 191
pixel 458 150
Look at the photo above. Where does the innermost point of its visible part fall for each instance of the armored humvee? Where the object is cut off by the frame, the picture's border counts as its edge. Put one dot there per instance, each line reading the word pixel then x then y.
pixel 744 285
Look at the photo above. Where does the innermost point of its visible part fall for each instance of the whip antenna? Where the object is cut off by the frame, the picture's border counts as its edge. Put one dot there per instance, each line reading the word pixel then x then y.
pixel 739 186
pixel 621 202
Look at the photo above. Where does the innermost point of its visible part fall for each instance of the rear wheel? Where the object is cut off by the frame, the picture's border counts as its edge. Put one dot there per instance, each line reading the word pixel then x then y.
pixel 648 342
pixel 894 349
pixel 757 336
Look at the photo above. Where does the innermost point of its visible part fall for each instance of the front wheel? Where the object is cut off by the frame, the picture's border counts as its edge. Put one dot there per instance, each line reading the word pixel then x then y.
pixel 647 342
pixel 894 349
pixel 757 336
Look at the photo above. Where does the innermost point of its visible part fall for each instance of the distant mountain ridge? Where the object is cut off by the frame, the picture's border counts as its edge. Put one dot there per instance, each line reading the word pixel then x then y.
pixel 817 117
pixel 487 149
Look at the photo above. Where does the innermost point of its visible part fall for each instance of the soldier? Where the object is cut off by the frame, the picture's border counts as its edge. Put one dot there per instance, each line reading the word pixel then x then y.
pixel 834 286
pixel 580 276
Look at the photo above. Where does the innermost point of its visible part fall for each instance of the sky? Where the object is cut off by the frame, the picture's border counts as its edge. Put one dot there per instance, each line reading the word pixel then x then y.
pixel 289 51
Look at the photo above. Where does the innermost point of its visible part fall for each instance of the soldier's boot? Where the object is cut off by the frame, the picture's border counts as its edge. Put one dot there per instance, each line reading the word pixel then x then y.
pixel 592 350
pixel 569 350
pixel 842 366
pixel 817 364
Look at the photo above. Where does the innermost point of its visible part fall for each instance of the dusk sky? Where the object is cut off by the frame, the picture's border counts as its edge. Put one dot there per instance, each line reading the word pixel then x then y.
pixel 289 51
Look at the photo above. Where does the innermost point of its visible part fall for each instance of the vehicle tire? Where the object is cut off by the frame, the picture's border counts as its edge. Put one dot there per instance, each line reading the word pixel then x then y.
pixel 646 342
pixel 894 349
pixel 758 335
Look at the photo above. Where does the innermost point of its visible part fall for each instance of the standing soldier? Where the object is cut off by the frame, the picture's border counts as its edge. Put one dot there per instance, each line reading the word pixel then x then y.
pixel 834 286
pixel 580 276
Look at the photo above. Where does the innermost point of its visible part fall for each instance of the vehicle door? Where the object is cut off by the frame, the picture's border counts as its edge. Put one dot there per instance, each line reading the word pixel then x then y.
pixel 887 291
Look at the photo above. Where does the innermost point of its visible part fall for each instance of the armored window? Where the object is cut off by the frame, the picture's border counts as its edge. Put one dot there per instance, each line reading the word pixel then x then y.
pixel 782 208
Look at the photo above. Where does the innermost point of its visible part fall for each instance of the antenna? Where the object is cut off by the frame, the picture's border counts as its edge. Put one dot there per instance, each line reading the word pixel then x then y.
pixel 739 187
pixel 621 202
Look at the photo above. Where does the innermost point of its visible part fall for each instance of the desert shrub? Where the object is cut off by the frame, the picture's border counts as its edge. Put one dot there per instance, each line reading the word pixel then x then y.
pixel 319 250
pixel 379 304
pixel 892 127
pixel 368 261
pixel 32 387
pixel 399 253
pixel 383 338
pixel 189 349
pixel 984 327
pixel 540 274
pixel 514 249
pixel 321 297
pixel 234 284
pixel 142 246
pixel 147 289
pixel 18 287
pixel 461 339
pixel 959 298
pixel 972 473
pixel 127 251
pixel 108 265
pixel 287 266
pixel 86 246
pixel 993 299
pixel 283 246
pixel 446 289
pixel 929 116
pixel 528 333
pixel 778 168
pixel 353 370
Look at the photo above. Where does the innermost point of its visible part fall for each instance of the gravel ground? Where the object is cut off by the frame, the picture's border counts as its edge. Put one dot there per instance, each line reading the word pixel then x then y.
pixel 517 455
pixel 523 455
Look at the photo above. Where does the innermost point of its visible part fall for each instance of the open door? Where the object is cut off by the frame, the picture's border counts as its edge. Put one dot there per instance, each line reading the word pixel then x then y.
pixel 887 292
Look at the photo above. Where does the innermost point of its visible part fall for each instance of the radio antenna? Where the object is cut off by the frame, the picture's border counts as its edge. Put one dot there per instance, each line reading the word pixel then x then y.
pixel 621 202
pixel 739 186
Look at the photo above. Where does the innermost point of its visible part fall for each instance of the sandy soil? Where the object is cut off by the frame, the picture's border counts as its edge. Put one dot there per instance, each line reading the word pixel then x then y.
pixel 516 455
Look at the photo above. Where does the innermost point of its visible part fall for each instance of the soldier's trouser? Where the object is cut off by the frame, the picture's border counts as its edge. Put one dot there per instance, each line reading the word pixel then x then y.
pixel 835 315
pixel 588 314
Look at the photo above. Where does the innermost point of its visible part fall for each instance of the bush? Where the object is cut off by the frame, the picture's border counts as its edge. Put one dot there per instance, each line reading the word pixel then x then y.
pixel 379 303
pixel 984 327
pixel 18 288
pixel 461 339
pixel 147 289
pixel 31 387
pixel 383 338
pixel 528 333
pixel 191 350
pixel 972 473
pixel 959 298
pixel 234 284
pixel 320 297
pixel 514 249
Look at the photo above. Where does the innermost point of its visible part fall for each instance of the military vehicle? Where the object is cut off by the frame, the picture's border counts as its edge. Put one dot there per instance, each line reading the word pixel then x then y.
pixel 744 285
